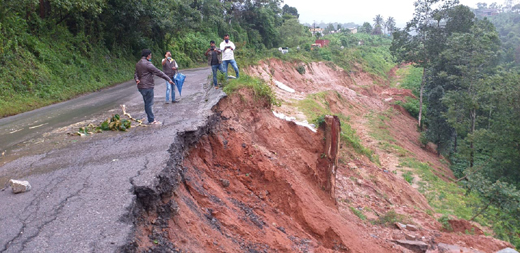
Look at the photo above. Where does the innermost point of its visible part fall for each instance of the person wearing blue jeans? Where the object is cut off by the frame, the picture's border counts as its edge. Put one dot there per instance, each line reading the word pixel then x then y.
pixel 144 75
pixel 228 56
pixel 148 103
pixel 214 60
pixel 170 69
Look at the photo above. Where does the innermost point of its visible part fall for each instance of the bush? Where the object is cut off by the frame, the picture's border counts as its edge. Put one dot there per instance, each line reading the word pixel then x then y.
pixel 390 218
pixel 300 69
pixel 408 176
pixel 444 220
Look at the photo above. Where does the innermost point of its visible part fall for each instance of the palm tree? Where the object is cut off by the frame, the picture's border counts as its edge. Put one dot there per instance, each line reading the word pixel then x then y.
pixel 390 25
pixel 378 20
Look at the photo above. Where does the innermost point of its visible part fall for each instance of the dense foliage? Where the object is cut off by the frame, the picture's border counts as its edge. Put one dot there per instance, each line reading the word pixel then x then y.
pixel 52 50
pixel 471 89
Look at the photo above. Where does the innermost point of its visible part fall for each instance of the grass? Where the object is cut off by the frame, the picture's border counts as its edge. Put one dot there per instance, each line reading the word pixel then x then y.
pixel 257 85
pixel 391 217
pixel 408 176
pixel 315 107
pixel 379 128
pixel 358 213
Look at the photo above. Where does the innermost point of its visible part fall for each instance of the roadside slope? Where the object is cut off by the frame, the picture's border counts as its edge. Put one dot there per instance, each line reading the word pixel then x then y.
pixel 253 184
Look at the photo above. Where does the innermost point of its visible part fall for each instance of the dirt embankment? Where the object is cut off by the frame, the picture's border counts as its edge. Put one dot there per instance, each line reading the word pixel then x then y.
pixel 252 184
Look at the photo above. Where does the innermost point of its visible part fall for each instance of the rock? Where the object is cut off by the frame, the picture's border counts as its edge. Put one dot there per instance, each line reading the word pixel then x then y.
pixel 19 186
pixel 447 248
pixel 400 226
pixel 415 246
pixel 507 250
pixel 411 227
pixel 410 237
pixel 224 182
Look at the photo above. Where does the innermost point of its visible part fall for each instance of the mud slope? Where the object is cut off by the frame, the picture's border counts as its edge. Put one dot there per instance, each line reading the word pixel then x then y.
pixel 252 182
pixel 250 186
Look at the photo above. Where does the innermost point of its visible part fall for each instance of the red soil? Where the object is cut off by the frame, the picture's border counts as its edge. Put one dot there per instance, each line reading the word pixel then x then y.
pixel 251 185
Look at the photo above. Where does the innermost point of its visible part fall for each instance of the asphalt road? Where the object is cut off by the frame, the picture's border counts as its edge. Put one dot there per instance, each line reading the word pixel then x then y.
pixel 82 192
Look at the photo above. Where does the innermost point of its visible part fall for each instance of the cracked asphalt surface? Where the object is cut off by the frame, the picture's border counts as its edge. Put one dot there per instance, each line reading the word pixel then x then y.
pixel 82 192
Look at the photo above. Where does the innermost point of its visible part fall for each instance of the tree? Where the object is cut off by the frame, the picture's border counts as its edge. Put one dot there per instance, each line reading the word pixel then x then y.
pixel 472 57
pixel 294 33
pixel 390 25
pixel 378 25
pixel 422 47
pixel 329 28
pixel 286 9
pixel 365 28
pixel 378 20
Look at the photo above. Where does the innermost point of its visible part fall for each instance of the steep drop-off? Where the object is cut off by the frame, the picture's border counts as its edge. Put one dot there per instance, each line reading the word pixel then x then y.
pixel 254 182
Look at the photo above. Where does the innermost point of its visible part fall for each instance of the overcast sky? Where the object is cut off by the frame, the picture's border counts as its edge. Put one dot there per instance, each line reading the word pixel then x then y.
pixel 360 11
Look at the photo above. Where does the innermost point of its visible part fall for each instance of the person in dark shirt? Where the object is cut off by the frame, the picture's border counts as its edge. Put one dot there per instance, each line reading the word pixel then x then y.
pixel 170 69
pixel 214 60
pixel 144 75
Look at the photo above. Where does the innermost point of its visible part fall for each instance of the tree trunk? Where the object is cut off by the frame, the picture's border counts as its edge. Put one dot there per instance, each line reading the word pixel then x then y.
pixel 42 9
pixel 472 152
pixel 480 212
pixel 455 142
pixel 421 98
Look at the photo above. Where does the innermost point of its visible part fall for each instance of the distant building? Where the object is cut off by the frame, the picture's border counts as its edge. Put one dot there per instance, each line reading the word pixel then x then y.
pixel 322 43
pixel 353 30
pixel 316 30
pixel 487 12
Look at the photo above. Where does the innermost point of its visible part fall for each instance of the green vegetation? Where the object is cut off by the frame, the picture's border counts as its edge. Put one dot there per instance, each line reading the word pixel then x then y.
pixel 390 218
pixel 358 213
pixel 408 176
pixel 470 86
pixel 316 106
pixel 258 86
pixel 114 124
pixel 51 51
pixel 444 220
pixel 45 72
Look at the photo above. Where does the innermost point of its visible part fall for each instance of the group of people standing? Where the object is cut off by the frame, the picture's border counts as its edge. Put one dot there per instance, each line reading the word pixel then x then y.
pixel 218 59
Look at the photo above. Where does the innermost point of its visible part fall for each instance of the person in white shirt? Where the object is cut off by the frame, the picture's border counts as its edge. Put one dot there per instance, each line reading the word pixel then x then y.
pixel 228 56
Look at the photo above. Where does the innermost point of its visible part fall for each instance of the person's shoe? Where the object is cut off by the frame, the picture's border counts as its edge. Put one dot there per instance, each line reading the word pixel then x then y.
pixel 155 122
pixel 167 102
pixel 216 87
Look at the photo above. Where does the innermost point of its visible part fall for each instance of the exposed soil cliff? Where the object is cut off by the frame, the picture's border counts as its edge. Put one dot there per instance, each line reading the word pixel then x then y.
pixel 257 183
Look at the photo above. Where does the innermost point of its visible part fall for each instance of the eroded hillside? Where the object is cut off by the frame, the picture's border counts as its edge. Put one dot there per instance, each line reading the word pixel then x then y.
pixel 253 184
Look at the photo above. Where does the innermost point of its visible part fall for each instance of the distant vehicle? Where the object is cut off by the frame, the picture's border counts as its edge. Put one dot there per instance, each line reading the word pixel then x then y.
pixel 283 50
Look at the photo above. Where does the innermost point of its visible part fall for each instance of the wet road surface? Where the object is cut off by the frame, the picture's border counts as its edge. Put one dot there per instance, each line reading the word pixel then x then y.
pixel 82 193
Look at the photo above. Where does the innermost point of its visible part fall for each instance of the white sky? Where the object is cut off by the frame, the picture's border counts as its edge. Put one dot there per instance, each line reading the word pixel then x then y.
pixel 360 11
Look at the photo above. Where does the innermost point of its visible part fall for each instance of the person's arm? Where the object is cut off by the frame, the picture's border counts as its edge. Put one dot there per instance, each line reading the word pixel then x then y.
pixel 163 61
pixel 222 46
pixel 207 51
pixel 136 78
pixel 175 66
pixel 158 73
pixel 232 45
